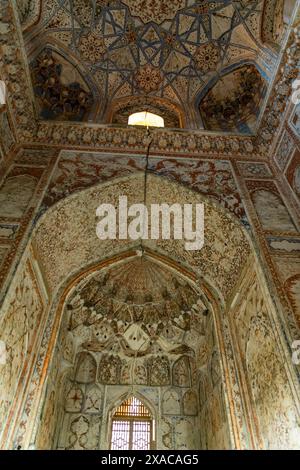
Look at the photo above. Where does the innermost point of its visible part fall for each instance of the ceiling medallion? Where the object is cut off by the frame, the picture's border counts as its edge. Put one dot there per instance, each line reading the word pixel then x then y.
pixel 207 57
pixel 92 47
pixel 148 78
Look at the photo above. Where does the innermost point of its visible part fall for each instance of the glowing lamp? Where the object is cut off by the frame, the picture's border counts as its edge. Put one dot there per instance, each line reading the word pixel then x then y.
pixel 146 119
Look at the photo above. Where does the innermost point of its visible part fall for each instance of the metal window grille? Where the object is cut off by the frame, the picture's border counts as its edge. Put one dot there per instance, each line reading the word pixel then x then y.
pixel 132 426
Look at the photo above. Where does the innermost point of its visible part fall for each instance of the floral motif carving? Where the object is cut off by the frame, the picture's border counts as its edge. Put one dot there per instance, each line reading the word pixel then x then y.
pixel 148 78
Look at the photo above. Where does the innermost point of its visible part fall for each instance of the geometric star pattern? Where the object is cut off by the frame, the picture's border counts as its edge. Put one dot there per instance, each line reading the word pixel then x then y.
pixel 170 53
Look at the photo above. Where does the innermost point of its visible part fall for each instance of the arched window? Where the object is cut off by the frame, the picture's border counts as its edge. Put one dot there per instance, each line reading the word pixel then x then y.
pixel 132 427
pixel 146 119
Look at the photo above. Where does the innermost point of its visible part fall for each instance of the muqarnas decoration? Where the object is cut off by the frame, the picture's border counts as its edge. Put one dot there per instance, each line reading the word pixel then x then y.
pixel 58 99
pixel 234 103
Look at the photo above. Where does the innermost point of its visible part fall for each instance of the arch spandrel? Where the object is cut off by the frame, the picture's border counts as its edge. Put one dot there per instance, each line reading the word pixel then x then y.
pixel 56 238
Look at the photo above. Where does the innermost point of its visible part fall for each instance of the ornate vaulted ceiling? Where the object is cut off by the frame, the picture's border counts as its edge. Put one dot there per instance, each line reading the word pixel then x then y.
pixel 200 64
pixel 141 282
pixel 136 309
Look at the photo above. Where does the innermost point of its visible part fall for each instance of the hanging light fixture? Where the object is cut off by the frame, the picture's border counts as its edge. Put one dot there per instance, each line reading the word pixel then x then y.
pixel 147 120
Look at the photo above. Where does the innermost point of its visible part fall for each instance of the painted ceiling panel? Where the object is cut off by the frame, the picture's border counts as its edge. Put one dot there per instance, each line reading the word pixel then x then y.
pixel 145 49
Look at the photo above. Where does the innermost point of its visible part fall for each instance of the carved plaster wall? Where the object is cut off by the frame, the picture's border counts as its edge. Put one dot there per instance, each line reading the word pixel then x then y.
pixel 21 324
pixel 55 242
pixel 264 368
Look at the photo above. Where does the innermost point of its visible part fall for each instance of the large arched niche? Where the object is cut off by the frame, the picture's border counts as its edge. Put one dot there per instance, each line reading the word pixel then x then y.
pixel 64 250
pixel 155 349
